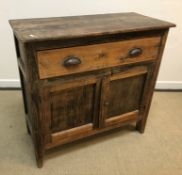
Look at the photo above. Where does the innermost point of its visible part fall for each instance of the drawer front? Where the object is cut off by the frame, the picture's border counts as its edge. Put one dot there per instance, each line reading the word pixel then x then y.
pixel 64 61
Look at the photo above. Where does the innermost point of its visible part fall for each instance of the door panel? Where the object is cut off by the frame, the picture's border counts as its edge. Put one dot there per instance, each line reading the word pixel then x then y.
pixel 121 95
pixel 83 105
pixel 72 107
pixel 125 95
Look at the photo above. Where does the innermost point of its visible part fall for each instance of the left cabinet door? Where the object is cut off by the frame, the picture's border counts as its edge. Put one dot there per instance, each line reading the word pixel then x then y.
pixel 72 108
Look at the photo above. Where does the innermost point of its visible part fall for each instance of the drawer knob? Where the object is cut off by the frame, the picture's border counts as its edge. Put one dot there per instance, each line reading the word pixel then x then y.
pixel 71 61
pixel 135 52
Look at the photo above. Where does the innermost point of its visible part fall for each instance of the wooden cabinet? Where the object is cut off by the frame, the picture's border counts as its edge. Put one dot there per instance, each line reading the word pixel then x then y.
pixel 84 75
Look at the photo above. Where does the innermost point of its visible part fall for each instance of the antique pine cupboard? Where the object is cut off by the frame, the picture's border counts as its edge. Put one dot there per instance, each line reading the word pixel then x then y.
pixel 87 74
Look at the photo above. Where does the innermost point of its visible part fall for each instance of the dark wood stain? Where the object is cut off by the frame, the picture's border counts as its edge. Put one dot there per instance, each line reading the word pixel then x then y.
pixel 96 96
pixel 125 95
pixel 88 25
pixel 51 62
pixel 72 108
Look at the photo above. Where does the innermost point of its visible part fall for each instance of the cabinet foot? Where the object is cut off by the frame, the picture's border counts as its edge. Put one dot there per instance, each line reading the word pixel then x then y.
pixel 140 127
pixel 28 129
pixel 39 162
pixel 39 150
pixel 39 155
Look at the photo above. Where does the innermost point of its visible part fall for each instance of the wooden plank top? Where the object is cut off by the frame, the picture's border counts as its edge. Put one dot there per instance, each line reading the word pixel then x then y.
pixel 39 29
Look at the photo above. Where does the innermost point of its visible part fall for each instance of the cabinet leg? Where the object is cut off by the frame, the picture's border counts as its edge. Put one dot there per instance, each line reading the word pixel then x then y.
pixel 39 161
pixel 140 126
pixel 39 150
pixel 23 91
pixel 28 129
pixel 39 154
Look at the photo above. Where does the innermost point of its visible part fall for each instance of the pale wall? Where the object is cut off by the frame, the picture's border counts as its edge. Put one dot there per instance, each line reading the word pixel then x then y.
pixel 171 70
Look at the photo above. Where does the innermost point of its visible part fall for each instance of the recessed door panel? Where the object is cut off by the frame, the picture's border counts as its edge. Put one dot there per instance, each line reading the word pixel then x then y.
pixel 121 95
pixel 72 107
pixel 125 95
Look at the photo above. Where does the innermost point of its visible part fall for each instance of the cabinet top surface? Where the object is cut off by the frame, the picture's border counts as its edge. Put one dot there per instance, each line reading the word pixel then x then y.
pixel 40 29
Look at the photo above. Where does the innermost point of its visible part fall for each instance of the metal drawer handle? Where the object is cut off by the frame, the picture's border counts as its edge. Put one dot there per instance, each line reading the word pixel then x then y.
pixel 72 61
pixel 135 52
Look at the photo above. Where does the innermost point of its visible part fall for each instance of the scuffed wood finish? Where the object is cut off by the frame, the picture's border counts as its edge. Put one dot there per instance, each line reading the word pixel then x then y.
pixel 42 29
pixel 72 107
pixel 122 93
pixel 125 95
pixel 110 84
pixel 134 71
pixel 129 116
pixel 87 130
pixel 68 135
pixel 148 92
pixel 93 57
pixel 104 100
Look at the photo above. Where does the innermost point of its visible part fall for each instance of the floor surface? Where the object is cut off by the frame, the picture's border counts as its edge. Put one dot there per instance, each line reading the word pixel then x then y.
pixel 123 152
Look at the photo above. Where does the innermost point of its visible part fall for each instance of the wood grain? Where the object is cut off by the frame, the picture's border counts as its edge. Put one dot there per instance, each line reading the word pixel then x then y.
pixel 72 107
pixel 87 130
pixel 121 118
pixel 42 29
pixel 125 95
pixel 134 71
pixel 93 57
pixel 149 89
pixel 107 90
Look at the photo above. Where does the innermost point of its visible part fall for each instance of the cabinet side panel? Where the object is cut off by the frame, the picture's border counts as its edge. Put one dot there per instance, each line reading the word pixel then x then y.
pixel 148 91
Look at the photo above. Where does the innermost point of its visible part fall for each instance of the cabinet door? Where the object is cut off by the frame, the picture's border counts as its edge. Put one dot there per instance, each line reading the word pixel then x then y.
pixel 121 96
pixel 72 108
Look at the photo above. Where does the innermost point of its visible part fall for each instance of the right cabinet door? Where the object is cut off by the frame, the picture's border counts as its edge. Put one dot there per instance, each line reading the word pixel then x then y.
pixel 122 95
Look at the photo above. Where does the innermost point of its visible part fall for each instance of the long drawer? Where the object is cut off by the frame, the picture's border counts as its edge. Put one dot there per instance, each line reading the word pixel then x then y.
pixel 64 61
